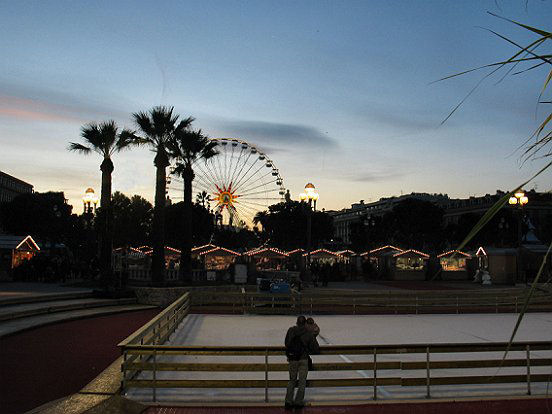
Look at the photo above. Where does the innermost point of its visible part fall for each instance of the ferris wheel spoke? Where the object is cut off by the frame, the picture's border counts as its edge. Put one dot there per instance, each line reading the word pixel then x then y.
pixel 220 170
pixel 253 185
pixel 205 178
pixel 201 183
pixel 230 166
pixel 245 214
pixel 265 191
pixel 251 176
pixel 251 210
pixel 225 165
pixel 208 175
pixel 206 172
pixel 242 176
pixel 257 192
pixel 236 165
pixel 250 203
pixel 238 175
pixel 262 198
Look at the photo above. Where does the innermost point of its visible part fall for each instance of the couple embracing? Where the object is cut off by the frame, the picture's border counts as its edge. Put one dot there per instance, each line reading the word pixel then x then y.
pixel 300 344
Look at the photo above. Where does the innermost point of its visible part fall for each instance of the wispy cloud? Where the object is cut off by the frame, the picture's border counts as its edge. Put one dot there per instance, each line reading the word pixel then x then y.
pixel 367 176
pixel 32 110
pixel 276 134
pixel 25 102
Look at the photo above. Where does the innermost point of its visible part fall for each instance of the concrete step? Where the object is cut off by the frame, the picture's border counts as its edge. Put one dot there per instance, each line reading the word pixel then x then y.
pixel 13 326
pixel 43 297
pixel 24 310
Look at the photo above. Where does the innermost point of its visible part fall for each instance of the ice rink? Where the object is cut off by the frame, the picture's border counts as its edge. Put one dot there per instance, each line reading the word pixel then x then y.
pixel 251 330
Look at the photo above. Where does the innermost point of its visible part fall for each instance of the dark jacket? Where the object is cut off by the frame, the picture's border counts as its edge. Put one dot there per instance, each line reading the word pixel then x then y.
pixel 308 339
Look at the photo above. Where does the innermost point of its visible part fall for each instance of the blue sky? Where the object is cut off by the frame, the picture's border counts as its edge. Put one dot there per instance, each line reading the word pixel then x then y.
pixel 336 92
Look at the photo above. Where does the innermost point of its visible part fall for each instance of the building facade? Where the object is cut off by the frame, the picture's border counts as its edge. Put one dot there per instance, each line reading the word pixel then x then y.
pixel 11 187
pixel 361 211
pixel 538 210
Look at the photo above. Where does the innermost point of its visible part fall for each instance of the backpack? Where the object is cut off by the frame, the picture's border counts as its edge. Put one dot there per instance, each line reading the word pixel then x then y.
pixel 295 349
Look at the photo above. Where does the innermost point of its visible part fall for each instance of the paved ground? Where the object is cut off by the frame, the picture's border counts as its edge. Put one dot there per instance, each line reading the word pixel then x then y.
pixel 216 330
pixel 17 289
pixel 513 406
pixel 53 361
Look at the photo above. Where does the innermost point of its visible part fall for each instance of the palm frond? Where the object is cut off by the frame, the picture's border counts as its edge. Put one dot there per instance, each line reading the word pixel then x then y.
pixel 143 122
pixel 532 29
pixel 496 208
pixel 527 301
pixel 127 139
pixel 75 146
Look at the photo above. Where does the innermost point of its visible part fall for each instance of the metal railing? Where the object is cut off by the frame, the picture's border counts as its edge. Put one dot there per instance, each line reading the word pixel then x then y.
pixel 381 369
pixel 156 331
pixel 494 301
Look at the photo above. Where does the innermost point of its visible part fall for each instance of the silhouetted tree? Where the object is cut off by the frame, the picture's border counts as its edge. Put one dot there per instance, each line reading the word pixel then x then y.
pixel 45 216
pixel 416 224
pixel 188 147
pixel 285 225
pixel 104 139
pixel 158 126
pixel 131 220
pixel 202 225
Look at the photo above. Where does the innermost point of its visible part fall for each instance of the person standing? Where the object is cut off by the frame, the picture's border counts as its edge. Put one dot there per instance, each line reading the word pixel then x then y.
pixel 300 343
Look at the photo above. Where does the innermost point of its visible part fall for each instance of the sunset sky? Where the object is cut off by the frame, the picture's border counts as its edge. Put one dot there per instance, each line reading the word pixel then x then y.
pixel 335 92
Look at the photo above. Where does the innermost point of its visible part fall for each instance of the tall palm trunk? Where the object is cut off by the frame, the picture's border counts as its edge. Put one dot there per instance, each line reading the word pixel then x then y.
pixel 106 221
pixel 161 162
pixel 185 272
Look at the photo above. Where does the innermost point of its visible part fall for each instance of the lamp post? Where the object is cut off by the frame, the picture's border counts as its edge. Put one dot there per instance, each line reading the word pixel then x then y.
pixel 520 199
pixel 90 202
pixel 311 196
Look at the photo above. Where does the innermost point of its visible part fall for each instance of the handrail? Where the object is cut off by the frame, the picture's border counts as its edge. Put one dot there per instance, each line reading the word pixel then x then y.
pixel 148 327
pixel 353 349
pixel 151 361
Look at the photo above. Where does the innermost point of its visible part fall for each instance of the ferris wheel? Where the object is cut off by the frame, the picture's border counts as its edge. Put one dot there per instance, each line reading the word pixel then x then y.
pixel 235 184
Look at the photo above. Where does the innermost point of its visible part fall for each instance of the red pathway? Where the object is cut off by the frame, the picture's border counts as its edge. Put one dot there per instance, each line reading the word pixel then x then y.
pixel 53 361
pixel 518 406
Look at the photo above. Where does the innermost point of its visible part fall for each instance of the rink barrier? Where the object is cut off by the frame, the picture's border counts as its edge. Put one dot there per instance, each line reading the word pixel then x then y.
pixel 389 302
pixel 155 332
pixel 148 361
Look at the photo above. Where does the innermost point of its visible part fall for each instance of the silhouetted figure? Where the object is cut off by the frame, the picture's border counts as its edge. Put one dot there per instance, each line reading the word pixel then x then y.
pixel 300 343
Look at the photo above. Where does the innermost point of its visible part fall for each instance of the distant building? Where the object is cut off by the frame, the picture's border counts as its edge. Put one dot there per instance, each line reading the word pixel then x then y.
pixel 538 210
pixel 361 211
pixel 11 187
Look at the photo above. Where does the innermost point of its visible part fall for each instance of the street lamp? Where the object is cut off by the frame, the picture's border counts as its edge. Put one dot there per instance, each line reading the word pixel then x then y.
pixel 520 199
pixel 90 199
pixel 312 196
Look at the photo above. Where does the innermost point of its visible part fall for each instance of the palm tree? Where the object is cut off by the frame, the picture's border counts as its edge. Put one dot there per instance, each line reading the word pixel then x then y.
pixel 105 140
pixel 158 127
pixel 203 198
pixel 188 147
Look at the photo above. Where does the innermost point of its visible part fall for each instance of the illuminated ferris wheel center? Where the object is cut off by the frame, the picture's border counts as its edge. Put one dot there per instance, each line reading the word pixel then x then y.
pixel 237 183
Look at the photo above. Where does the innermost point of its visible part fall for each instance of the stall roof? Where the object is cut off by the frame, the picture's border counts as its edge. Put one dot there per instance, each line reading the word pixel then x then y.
pixel 144 248
pixel 267 252
pixel 451 252
pixel 168 250
pixel 412 252
pixel 382 249
pixel 347 253
pixel 219 251
pixel 494 251
pixel 10 242
pixel 322 252
pixel 296 251
pixel 205 247
pixel 133 252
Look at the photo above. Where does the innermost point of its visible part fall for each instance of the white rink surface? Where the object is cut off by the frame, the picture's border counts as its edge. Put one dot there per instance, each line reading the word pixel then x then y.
pixel 270 330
